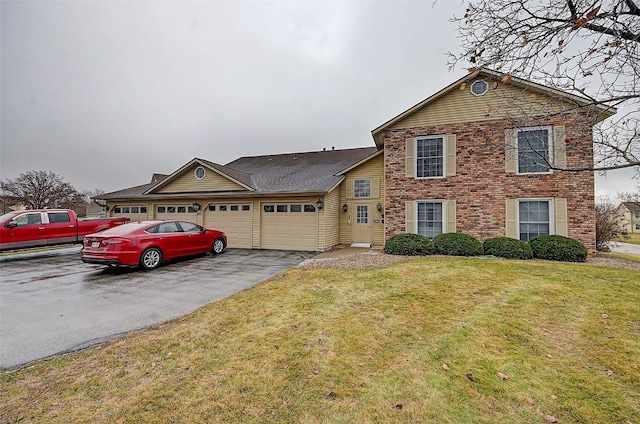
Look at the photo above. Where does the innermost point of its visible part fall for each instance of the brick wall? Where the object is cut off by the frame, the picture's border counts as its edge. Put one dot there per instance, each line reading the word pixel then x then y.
pixel 481 186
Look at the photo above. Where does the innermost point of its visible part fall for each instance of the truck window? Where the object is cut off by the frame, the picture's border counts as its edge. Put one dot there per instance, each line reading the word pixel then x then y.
pixel 28 219
pixel 55 217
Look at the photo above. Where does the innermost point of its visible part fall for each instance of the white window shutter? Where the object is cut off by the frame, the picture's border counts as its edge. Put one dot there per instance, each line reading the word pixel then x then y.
pixel 559 147
pixel 510 150
pixel 512 221
pixel 350 187
pixel 451 155
pixel 410 160
pixel 375 188
pixel 451 216
pixel 561 218
pixel 409 220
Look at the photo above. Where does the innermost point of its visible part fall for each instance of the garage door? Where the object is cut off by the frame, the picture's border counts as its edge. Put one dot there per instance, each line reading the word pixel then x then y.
pixel 181 212
pixel 289 226
pixel 234 219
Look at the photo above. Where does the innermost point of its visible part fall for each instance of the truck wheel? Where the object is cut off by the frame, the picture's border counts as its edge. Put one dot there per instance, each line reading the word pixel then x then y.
pixel 151 258
pixel 218 246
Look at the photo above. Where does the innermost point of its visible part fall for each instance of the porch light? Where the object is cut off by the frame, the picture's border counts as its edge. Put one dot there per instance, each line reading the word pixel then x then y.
pixel 320 204
pixel 379 207
pixel 196 206
pixel 345 207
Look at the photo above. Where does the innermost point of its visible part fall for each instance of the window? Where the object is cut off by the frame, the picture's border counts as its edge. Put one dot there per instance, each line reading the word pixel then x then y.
pixel 637 226
pixel 171 209
pixel 430 218
pixel 480 87
pixel 168 227
pixel 117 209
pixel 200 173
pixel 534 218
pixel 637 215
pixel 362 188
pixel 135 209
pixel 125 209
pixel 162 209
pixel 190 209
pixel 309 208
pixel 212 208
pixel 55 217
pixel 362 215
pixel 190 227
pixel 246 207
pixel 534 150
pixel 430 156
pixel 143 209
pixel 28 219
pixel 234 207
pixel 295 208
pixel 269 208
pixel 282 208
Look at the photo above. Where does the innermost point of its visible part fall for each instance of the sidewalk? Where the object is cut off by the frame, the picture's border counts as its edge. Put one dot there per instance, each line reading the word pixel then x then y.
pixel 633 249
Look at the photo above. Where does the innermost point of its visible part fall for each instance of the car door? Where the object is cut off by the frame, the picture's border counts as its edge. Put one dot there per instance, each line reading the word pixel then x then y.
pixel 60 228
pixel 25 230
pixel 170 240
pixel 195 240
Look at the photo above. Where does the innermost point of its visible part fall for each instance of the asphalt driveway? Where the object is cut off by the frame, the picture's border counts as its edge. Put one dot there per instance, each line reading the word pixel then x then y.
pixel 52 302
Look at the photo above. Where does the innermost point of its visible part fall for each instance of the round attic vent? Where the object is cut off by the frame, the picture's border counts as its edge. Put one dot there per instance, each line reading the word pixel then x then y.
pixel 479 87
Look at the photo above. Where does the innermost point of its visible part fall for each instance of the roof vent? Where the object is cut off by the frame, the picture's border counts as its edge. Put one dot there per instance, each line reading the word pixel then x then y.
pixel 324 149
pixel 333 147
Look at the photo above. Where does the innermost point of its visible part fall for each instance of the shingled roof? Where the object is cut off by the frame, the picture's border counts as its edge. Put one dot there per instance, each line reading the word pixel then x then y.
pixel 312 172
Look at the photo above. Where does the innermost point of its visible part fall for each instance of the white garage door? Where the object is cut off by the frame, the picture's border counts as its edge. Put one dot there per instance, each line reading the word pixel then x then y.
pixel 181 212
pixel 289 226
pixel 234 219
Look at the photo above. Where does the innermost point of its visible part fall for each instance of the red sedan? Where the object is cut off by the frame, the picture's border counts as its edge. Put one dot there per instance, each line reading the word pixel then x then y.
pixel 149 243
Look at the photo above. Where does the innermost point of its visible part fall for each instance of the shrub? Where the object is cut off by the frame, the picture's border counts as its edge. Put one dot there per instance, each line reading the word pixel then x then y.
pixel 457 244
pixel 558 248
pixel 409 244
pixel 506 247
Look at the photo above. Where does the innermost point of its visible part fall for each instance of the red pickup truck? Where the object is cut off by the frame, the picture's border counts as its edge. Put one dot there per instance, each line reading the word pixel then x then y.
pixel 46 227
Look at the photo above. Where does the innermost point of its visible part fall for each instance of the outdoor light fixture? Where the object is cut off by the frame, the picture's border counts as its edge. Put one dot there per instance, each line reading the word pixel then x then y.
pixel 196 206
pixel 379 207
pixel 345 207
pixel 320 204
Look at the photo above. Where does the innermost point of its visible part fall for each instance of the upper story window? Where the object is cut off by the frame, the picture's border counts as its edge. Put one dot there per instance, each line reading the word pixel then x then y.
pixel 430 155
pixel 362 188
pixel 534 150
pixel 479 87
pixel 200 172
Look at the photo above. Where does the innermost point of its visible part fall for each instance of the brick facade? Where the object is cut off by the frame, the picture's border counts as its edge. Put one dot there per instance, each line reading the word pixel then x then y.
pixel 481 186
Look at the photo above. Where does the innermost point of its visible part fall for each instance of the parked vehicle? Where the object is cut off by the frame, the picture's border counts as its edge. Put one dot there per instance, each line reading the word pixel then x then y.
pixel 149 243
pixel 46 227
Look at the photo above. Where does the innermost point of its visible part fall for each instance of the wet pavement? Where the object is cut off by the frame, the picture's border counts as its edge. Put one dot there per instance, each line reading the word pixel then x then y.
pixel 51 302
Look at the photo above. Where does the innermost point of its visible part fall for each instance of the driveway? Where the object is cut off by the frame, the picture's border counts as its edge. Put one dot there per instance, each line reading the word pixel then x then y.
pixel 625 248
pixel 52 302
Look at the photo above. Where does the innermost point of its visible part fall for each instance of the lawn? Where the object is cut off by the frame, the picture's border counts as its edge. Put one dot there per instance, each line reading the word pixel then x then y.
pixel 446 340
pixel 633 238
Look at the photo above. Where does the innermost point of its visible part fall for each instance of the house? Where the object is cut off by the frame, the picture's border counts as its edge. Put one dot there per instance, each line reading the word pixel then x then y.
pixel 487 155
pixel 628 217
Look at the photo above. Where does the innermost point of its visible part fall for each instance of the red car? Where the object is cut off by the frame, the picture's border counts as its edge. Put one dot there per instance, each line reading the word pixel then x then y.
pixel 149 243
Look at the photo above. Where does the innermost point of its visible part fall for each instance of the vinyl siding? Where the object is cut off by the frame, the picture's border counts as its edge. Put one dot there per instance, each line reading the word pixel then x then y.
pixel 462 106
pixel 187 182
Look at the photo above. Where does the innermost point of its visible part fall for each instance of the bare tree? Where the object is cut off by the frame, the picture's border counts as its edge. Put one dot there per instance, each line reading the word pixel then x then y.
pixel 590 48
pixel 606 223
pixel 44 189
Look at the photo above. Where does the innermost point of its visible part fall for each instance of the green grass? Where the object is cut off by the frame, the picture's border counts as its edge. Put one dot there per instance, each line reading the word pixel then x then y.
pixel 367 346
pixel 626 256
pixel 633 238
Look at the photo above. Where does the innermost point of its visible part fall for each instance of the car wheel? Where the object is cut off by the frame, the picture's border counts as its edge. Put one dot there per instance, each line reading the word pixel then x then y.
pixel 151 258
pixel 218 246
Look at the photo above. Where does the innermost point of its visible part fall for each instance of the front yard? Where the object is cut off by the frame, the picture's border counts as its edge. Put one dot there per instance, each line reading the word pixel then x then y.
pixel 434 339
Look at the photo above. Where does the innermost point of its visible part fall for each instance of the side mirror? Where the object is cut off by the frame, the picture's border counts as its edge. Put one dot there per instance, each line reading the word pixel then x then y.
pixel 11 224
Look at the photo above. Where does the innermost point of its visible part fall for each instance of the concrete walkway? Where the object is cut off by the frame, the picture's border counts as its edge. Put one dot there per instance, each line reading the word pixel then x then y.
pixel 633 249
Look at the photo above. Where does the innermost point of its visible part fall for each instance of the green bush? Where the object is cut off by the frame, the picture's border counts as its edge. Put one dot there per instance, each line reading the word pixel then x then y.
pixel 506 247
pixel 457 244
pixel 409 245
pixel 558 248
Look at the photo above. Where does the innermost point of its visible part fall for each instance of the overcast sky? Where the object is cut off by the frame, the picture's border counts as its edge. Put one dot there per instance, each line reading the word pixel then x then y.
pixel 106 93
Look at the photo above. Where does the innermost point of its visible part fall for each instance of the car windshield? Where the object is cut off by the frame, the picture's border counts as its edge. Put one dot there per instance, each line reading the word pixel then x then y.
pixel 7 216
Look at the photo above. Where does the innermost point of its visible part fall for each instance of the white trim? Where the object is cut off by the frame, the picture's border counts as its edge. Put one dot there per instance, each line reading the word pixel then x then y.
pixel 549 130
pixel 443 138
pixel 443 202
pixel 552 212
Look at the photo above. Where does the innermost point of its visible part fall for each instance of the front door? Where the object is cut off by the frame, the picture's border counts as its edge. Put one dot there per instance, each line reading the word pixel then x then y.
pixel 362 228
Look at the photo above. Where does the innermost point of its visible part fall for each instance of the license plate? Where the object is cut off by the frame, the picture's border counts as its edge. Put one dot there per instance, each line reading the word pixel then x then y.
pixel 95 244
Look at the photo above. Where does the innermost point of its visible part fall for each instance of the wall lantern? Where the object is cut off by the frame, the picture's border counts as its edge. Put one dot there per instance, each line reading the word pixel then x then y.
pixel 196 206
pixel 379 207
pixel 345 207
pixel 105 208
pixel 320 204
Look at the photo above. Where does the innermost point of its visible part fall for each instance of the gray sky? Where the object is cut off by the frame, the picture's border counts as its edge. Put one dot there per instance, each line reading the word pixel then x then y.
pixel 105 93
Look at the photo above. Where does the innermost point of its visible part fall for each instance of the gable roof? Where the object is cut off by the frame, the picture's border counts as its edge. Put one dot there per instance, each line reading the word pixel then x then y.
pixel 291 173
pixel 605 111
pixel 633 207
